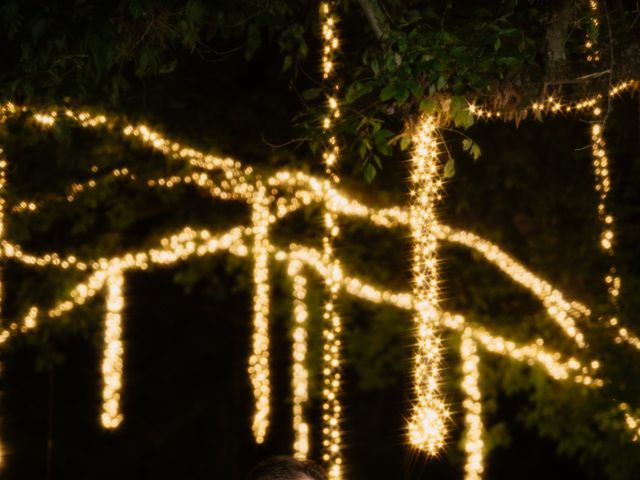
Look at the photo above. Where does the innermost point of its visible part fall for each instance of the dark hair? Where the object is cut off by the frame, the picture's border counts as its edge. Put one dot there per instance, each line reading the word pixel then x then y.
pixel 286 468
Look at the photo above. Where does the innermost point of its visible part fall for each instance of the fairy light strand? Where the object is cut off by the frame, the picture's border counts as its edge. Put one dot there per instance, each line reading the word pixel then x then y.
pixel 112 360
pixel 472 403
pixel 278 196
pixel 591 41
pixel 332 332
pixel 561 310
pixel 428 421
pixel 300 374
pixel 552 105
pixel 602 186
pixel 3 181
pixel 632 422
pixel 259 360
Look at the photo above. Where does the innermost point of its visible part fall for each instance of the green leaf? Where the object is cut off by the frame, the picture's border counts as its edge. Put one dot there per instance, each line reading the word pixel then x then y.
pixel 169 66
pixel 464 119
pixel 449 168
pixel 405 142
pixel 362 150
pixel 416 89
pixel 381 140
pixel 375 66
pixel 428 106
pixel 460 114
pixel 458 103
pixel 286 64
pixel 472 147
pixel 369 172
pixel 357 90
pixel 401 94
pixel 311 93
pixel 253 41
pixel 496 46
pixel 387 92
pixel 475 151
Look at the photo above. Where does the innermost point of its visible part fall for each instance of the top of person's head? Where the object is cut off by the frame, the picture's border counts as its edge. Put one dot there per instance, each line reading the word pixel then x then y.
pixel 287 468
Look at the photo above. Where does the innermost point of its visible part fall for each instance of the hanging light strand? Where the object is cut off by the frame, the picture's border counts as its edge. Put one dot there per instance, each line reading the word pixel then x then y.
pixel 332 333
pixel 591 37
pixel 428 422
pixel 602 185
pixel 3 181
pixel 259 360
pixel 300 374
pixel 112 360
pixel 472 403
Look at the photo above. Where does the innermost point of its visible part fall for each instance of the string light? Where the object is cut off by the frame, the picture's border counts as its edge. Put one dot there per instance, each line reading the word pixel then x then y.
pixel 602 169
pixel 603 187
pixel 552 105
pixel 259 360
pixel 632 422
pixel 332 333
pixel 300 375
pixel 531 354
pixel 3 181
pixel 473 443
pixel 564 312
pixel 427 425
pixel 272 199
pixel 112 359
pixel 593 54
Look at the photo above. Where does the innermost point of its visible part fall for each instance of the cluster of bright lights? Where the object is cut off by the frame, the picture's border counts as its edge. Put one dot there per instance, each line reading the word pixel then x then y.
pixel 531 354
pixel 259 360
pixel 300 377
pixel 590 44
pixel 552 105
pixel 330 39
pixel 428 421
pixel 3 181
pixel 332 332
pixel 472 404
pixel 563 311
pixel 624 335
pixel 112 360
pixel 632 421
pixel 602 169
pixel 272 199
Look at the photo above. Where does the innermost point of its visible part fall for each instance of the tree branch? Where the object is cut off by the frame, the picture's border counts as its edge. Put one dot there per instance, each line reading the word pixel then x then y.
pixel 376 18
pixel 556 37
